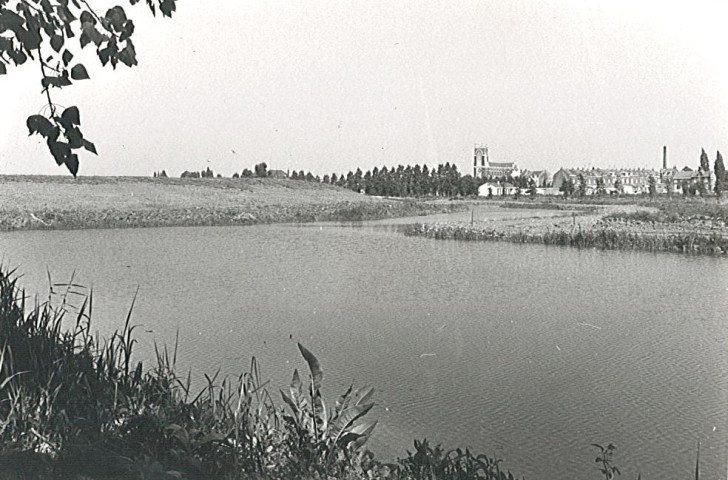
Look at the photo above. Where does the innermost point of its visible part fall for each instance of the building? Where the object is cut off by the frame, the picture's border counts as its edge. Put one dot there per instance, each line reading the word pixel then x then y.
pixel 678 181
pixel 630 181
pixel 484 168
pixel 496 189
pixel 561 176
pixel 277 174
pixel 542 178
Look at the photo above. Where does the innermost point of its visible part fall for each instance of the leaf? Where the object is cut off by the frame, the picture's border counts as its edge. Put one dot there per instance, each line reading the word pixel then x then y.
pixel 72 164
pixel 65 14
pixel 296 386
pixel 59 150
pixel 63 80
pixel 343 401
pixel 39 124
pixel 47 8
pixel 75 137
pixel 364 430
pixel 78 72
pixel 365 396
pixel 67 56
pixel 313 364
pixel 346 418
pixel 3 71
pixel 84 39
pixel 289 401
pixel 70 117
pixel 104 55
pixel 57 42
pixel 89 146
pixel 127 32
pixel 87 17
pixel 18 56
pixel 167 7
pixel 117 17
pixel 10 20
pixel 128 54
pixel 30 39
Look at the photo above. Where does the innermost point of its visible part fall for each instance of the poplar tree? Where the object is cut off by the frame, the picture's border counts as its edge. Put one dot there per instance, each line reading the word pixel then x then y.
pixel 704 162
pixel 719 170
pixel 652 186
pixel 41 31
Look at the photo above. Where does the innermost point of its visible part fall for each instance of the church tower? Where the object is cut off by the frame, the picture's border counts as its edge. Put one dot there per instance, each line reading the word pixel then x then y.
pixel 480 160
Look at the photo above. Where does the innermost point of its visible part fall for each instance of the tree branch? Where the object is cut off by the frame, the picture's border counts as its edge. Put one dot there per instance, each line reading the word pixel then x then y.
pixel 98 19
pixel 47 88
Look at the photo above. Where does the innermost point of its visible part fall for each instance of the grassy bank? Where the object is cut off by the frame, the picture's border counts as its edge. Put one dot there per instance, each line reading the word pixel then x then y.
pixel 38 202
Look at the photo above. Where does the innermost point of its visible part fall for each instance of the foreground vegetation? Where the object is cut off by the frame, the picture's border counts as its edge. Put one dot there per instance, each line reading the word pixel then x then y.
pixel 37 202
pixel 75 406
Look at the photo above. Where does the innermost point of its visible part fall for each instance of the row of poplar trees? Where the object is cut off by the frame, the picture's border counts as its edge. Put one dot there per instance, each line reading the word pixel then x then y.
pixel 407 181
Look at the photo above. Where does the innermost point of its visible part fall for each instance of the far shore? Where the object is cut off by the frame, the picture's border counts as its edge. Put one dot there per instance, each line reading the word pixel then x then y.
pixel 63 203
pixel 664 225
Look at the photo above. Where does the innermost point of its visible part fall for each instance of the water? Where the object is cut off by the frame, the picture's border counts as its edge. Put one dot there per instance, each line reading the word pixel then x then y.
pixel 524 352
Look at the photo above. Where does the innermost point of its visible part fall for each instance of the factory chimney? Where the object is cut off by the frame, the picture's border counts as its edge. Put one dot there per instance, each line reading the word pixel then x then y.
pixel 664 157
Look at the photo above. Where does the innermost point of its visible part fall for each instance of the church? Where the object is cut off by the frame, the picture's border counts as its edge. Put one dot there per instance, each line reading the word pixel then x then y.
pixel 484 168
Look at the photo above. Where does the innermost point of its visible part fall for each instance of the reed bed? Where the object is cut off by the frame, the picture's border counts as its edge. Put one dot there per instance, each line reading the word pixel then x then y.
pixel 597 236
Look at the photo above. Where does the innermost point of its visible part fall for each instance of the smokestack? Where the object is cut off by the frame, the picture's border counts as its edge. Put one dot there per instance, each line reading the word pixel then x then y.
pixel 664 157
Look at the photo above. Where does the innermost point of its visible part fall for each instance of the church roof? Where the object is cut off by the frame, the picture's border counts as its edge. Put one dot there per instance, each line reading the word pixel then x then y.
pixel 501 164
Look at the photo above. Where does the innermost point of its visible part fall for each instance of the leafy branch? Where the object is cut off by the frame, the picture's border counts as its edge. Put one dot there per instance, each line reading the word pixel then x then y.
pixel 29 27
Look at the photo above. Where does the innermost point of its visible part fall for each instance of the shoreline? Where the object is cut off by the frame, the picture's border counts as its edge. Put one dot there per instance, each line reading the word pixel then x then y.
pixel 61 203
pixel 594 226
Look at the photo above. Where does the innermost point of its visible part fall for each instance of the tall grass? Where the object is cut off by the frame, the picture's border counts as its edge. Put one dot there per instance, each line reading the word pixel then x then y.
pixel 677 211
pixel 73 405
pixel 602 237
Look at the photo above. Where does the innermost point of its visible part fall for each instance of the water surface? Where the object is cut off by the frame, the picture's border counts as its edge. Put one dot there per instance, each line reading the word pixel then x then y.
pixel 526 352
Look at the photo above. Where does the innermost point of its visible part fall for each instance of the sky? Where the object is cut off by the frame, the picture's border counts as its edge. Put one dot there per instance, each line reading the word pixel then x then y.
pixel 329 86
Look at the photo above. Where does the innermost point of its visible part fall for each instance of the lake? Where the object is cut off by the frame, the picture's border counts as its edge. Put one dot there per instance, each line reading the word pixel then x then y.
pixel 525 352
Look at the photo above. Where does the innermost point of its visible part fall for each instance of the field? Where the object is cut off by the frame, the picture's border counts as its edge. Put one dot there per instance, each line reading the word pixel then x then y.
pixel 45 202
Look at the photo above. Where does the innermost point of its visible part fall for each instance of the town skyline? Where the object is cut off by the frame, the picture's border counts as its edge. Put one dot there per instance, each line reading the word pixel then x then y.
pixel 329 88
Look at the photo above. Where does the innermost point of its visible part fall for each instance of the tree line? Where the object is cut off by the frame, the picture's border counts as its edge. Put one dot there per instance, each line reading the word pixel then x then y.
pixel 408 181
pixel 447 181
pixel 400 181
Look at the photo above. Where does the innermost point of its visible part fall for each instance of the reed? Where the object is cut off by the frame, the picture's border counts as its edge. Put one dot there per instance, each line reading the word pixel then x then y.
pixel 601 237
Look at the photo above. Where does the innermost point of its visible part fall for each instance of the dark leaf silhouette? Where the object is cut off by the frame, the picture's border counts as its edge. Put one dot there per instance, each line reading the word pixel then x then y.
pixel 39 124
pixel 78 72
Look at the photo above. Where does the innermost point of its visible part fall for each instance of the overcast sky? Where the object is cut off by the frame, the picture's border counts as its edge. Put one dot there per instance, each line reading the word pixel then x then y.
pixel 329 86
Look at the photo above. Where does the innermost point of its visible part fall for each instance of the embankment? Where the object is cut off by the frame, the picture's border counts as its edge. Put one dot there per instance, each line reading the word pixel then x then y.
pixel 45 202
